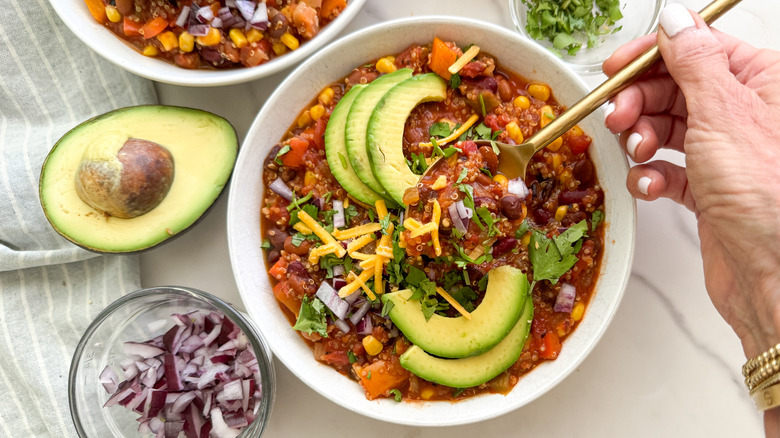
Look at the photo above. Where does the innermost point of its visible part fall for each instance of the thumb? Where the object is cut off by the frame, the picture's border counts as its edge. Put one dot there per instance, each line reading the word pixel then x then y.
pixel 694 57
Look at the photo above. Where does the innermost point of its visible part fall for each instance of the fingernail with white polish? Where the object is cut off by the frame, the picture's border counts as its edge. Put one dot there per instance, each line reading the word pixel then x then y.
pixel 609 109
pixel 644 184
pixel 675 18
pixel 633 141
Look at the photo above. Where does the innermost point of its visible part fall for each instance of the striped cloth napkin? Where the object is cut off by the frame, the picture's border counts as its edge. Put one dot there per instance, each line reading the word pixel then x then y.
pixel 50 290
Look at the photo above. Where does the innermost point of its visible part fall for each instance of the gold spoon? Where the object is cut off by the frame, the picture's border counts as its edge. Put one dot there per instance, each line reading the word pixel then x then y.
pixel 514 159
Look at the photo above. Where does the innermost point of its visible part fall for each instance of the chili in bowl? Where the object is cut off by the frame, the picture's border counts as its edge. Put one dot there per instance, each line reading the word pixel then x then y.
pixel 406 294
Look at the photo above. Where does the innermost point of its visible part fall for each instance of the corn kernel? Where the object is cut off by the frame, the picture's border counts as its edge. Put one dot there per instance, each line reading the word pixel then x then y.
pixel 310 178
pixel 211 39
pixel 253 35
pixel 557 160
pixel 326 97
pixel 539 91
pixel 290 41
pixel 186 42
pixel 317 111
pixel 113 14
pixel 440 183
pixel 514 131
pixel 372 345
pixel 561 212
pixel 501 179
pixel 150 50
pixel 522 102
pixel 304 119
pixel 168 40
pixel 526 239
pixel 427 393
pixel 279 49
pixel 384 65
pixel 555 145
pixel 560 331
pixel 546 115
pixel 238 38
pixel 578 311
pixel 346 202
pixel 576 131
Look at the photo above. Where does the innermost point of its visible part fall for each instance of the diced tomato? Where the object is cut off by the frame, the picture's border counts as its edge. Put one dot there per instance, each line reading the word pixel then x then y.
pixel 382 376
pixel 131 28
pixel 98 10
pixel 491 121
pixel 550 346
pixel 331 8
pixel 336 358
pixel 579 143
pixel 294 157
pixel 153 27
pixel 319 132
pixel 285 296
pixel 279 269
pixel 468 147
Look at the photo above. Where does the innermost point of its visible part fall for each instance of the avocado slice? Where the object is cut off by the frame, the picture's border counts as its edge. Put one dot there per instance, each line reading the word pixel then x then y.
pixel 357 124
pixel 491 321
pixel 93 165
pixel 386 131
pixel 336 150
pixel 475 370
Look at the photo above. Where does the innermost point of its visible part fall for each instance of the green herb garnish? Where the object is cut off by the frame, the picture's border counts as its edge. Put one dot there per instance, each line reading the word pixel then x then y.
pixel 552 258
pixel 397 394
pixel 282 151
pixel 596 219
pixel 312 317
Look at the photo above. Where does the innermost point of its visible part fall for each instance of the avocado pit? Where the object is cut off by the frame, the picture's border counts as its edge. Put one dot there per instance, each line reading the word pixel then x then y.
pixel 127 182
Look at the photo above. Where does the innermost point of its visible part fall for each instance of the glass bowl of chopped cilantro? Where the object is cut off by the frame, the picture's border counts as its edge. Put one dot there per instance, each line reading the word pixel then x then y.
pixel 584 32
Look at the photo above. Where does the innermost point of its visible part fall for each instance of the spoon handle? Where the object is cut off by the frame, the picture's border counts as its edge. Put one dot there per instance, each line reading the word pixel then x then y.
pixel 612 86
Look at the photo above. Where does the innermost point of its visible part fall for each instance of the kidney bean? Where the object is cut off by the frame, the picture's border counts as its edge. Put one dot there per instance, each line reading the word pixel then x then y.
pixel 583 171
pixel 475 272
pixel 274 255
pixel 187 60
pixel 572 197
pixel 361 75
pixel 491 159
pixel 279 26
pixel 542 216
pixel 269 159
pixel 573 217
pixel 505 91
pixel 277 237
pixel 125 7
pixel 296 268
pixel 301 249
pixel 211 55
pixel 427 193
pixel 504 245
pixel 512 206
pixel 486 201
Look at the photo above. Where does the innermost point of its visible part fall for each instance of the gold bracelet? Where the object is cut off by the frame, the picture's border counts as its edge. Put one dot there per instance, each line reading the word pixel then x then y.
pixel 767 398
pixel 758 361
pixel 766 371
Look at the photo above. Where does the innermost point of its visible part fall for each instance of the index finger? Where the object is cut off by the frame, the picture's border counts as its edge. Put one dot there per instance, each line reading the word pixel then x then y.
pixel 630 51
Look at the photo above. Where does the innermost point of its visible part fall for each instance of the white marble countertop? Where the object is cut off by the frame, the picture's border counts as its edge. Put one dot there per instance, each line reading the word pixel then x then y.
pixel 667 366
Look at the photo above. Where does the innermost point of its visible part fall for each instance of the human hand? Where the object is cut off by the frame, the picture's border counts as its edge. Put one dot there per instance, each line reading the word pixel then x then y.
pixel 717 100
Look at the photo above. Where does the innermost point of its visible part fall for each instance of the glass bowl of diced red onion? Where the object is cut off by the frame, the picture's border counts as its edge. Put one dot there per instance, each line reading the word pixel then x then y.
pixel 171 362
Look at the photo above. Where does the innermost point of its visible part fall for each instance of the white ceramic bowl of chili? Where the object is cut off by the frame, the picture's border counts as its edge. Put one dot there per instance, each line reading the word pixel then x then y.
pixel 77 18
pixel 333 63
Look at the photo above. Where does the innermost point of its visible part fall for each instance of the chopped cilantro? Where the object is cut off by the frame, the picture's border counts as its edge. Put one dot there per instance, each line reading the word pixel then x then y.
pixel 440 129
pixel 397 394
pixel 552 258
pixel 328 261
pixel 417 164
pixel 455 81
pixel 266 245
pixel 488 219
pixel 326 197
pixel 524 227
pixel 351 356
pixel 482 283
pixel 482 105
pixel 297 239
pixel 569 24
pixel 312 317
pixel 282 151
pixel 387 306
pixel 465 296
pixel 297 202
pixel 486 171
pixel 369 375
pixel 385 224
pixel 483 131
pixel 596 219
pixel 349 213
pixel 462 175
pixel 458 391
pixel 310 209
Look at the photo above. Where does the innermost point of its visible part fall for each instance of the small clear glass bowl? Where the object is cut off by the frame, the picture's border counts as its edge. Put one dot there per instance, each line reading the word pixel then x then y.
pixel 140 316
pixel 640 17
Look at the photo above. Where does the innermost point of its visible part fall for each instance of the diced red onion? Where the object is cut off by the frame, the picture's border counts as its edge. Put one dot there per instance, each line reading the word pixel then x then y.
pixel 360 312
pixel 184 16
pixel 281 189
pixel 260 15
pixel 246 8
pixel 564 302
pixel 455 218
pixel 199 29
pixel 338 271
pixel 141 349
pixel 331 299
pixel 342 325
pixel 173 428
pixel 465 212
pixel 204 15
pixel 364 326
pixel 338 218
pixel 517 187
pixel 109 379
pixel 219 428
pixel 216 23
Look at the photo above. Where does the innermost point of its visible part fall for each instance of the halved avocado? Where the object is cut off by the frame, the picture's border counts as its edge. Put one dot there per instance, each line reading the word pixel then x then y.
pixel 491 321
pixel 386 131
pixel 357 124
pixel 475 370
pixel 336 150
pixel 132 178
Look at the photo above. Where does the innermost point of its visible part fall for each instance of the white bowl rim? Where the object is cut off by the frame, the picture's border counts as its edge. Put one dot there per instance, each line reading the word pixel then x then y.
pixel 79 20
pixel 390 411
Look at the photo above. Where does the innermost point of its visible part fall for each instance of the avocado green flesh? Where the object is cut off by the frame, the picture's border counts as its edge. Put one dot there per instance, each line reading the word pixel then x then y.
pixel 491 321
pixel 386 131
pixel 204 147
pixel 336 150
pixel 357 125
pixel 475 370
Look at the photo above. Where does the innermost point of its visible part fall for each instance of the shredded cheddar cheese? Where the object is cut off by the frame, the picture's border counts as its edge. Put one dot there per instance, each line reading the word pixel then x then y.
pixel 360 242
pixel 357 283
pixel 316 253
pixel 435 233
pixel 322 233
pixel 381 209
pixel 463 60
pixel 424 229
pixel 456 305
pixel 412 224
pixel 303 229
pixel 356 231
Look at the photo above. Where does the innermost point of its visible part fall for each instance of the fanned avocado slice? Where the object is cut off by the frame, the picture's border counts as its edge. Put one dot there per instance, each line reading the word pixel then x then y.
pixel 336 150
pixel 501 307
pixel 386 131
pixel 357 125
pixel 475 370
